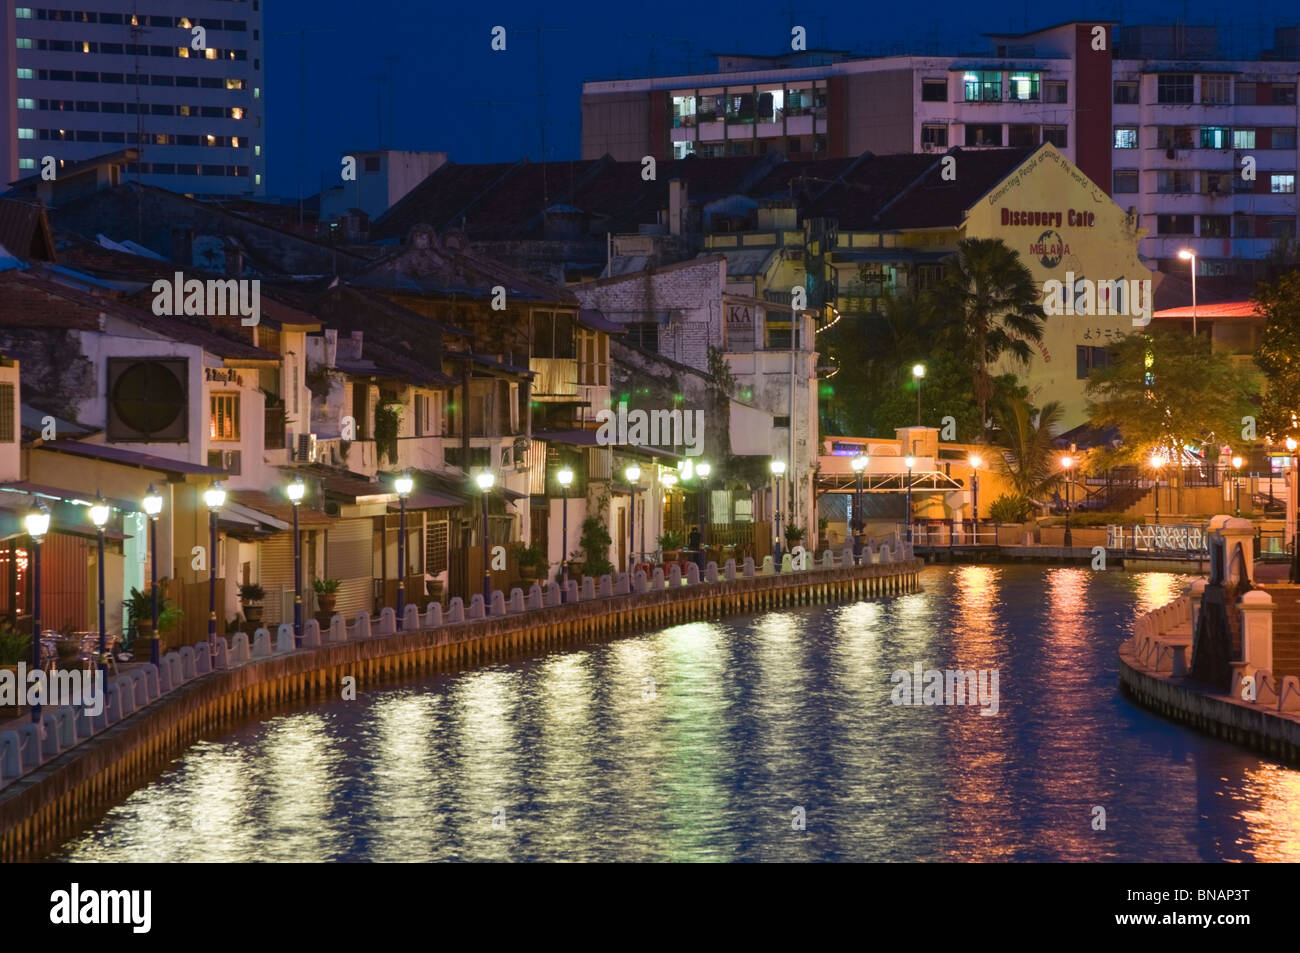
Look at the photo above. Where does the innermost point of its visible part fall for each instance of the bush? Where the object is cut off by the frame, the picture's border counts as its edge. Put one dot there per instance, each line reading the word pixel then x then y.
pixel 325 587
pixel 1011 509
pixel 594 543
pixel 671 540
pixel 15 646
pixel 530 557
pixel 249 593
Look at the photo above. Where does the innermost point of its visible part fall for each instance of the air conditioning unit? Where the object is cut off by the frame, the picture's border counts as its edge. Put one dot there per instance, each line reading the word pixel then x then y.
pixel 228 460
pixel 148 399
pixel 305 448
pixel 927 147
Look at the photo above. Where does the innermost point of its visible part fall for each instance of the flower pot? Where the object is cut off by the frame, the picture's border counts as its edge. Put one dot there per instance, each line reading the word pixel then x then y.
pixel 253 613
pixel 325 603
pixel 671 556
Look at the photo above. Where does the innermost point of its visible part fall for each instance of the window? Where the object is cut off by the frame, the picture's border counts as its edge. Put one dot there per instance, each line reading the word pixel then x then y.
pixel 1174 88
pixel 1245 94
pixel 1284 137
pixel 934 90
pixel 1281 228
pixel 1175 137
pixel 1023 87
pixel 1126 94
pixel 1216 183
pixel 24 43
pixel 1216 90
pixel 1087 359
pixel 1175 225
pixel 1126 180
pixel 644 334
pixel 1056 92
pixel 23 13
pixel 1282 184
pixel 1056 135
pixel 1243 138
pixel 740 107
pixel 25 72
pixel 224 424
pixel 24 133
pixel 1243 226
pixel 935 136
pixel 1174 180
pixel 983 86
pixel 1021 137
pixel 1126 137
pixel 1284 95
pixel 27 163
pixel 989 135
pixel 1215 226
pixel 683 111
pixel 25 103
pixel 1214 137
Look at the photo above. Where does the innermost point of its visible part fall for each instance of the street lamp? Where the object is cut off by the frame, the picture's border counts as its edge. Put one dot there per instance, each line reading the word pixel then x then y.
pixel 99 514
pixel 403 485
pixel 1236 489
pixel 975 464
pixel 1066 463
pixel 485 480
pixel 1292 501
pixel 918 371
pixel 1187 254
pixel 633 474
pixel 1157 461
pixel 295 491
pixel 564 478
pixel 703 470
pixel 153 504
pixel 215 498
pixel 37 524
pixel 778 470
pixel 858 463
pixel 909 462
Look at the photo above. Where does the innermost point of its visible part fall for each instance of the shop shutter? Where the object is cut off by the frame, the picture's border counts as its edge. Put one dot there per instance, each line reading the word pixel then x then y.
pixel 349 557
pixel 276 577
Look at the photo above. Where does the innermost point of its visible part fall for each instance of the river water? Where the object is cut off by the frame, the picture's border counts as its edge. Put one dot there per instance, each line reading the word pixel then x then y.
pixel 763 737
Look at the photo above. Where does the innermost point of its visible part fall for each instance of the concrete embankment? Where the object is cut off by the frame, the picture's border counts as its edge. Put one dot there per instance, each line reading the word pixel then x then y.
pixel 41 809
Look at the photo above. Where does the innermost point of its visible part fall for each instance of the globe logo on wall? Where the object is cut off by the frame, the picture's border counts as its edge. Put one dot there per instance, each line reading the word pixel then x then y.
pixel 1050 246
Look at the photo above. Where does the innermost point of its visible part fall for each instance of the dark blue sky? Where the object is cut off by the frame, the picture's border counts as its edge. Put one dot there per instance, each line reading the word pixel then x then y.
pixel 450 92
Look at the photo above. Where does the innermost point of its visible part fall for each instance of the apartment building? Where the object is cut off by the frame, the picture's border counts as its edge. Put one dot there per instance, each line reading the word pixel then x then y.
pixel 1154 115
pixel 184 87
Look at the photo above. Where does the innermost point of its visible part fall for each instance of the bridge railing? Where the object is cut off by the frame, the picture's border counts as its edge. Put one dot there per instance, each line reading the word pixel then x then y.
pixel 1187 539
pixel 951 533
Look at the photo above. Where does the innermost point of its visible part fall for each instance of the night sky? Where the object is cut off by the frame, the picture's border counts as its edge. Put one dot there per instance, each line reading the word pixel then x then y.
pixel 448 91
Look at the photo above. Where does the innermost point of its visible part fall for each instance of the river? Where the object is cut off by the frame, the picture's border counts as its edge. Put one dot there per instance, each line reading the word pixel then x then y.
pixel 765 737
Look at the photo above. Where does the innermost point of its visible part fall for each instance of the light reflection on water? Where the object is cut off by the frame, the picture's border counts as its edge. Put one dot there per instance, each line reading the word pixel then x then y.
pixel 697 741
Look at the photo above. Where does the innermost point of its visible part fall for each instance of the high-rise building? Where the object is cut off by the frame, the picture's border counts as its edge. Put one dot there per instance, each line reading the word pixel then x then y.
pixel 1156 116
pixel 184 86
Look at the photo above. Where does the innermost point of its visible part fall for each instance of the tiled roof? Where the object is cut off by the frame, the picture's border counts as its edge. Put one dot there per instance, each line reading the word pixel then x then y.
pixel 930 201
pixel 24 230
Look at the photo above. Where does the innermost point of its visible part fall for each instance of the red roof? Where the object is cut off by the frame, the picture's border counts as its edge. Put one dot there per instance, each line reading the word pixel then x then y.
pixel 1223 309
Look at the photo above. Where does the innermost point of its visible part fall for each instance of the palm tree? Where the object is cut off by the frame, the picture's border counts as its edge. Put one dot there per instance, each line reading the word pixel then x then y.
pixel 1028 463
pixel 993 304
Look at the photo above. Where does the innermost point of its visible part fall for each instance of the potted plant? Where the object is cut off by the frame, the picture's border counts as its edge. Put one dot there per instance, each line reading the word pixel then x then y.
pixel 793 536
pixel 326 595
pixel 532 562
pixel 595 542
pixel 251 596
pixel 139 613
pixel 169 621
pixel 671 543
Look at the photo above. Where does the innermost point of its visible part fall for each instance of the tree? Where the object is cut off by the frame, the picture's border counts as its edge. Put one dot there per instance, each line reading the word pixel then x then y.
pixel 1167 390
pixel 992 300
pixel 1026 435
pixel 1278 354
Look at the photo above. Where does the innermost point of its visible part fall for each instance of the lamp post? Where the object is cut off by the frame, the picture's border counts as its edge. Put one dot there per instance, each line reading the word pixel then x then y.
pixel 909 462
pixel 403 485
pixel 99 514
pixel 215 498
pixel 295 491
pixel 918 371
pixel 38 524
pixel 778 470
pixel 669 480
pixel 153 504
pixel 975 463
pixel 564 478
pixel 1157 461
pixel 633 474
pixel 858 463
pixel 1067 462
pixel 1188 255
pixel 1236 489
pixel 485 480
pixel 703 470
pixel 1292 501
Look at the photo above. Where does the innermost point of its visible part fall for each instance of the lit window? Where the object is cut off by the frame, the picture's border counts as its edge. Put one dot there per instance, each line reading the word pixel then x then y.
pixel 1126 137
pixel 983 86
pixel 236 112
pixel 24 43
pixel 183 110
pixel 1243 138
pixel 85 47
pixel 23 13
pixel 185 23
pixel 257 178
pixel 135 20
pixel 1282 184
pixel 26 163
pixel 1024 86
pixel 183 52
pixel 212 140
pixel 224 424
pixel 257 92
pixel 210 53
pixel 257 150
pixel 26 133
pixel 24 103
pixel 25 73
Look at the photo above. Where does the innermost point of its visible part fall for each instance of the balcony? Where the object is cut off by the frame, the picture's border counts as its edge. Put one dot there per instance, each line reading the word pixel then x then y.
pixel 556 377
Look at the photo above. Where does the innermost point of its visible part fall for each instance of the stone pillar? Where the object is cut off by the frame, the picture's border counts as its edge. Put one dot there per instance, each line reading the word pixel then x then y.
pixel 1257 629
pixel 1241 531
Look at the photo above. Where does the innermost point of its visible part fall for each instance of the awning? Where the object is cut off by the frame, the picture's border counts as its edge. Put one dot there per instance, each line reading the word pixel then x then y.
pixel 421 500
pixel 277 510
pixel 596 321
pixel 148 461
